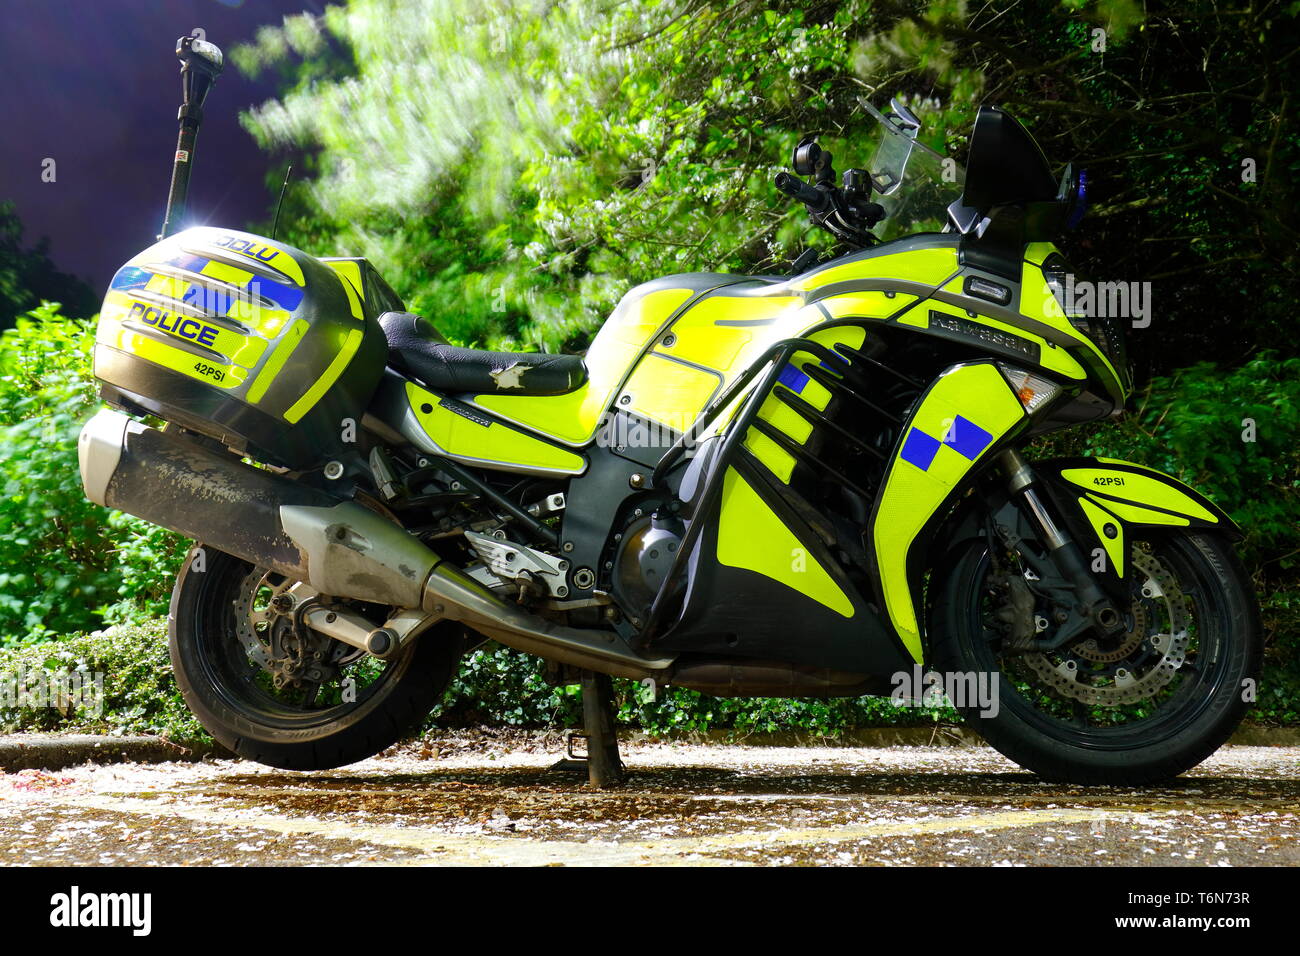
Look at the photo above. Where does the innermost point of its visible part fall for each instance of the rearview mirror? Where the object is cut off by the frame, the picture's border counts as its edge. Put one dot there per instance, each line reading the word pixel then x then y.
pixel 806 155
pixel 904 118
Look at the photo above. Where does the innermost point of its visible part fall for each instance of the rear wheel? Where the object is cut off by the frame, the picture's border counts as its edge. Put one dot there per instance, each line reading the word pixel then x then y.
pixel 1131 709
pixel 273 690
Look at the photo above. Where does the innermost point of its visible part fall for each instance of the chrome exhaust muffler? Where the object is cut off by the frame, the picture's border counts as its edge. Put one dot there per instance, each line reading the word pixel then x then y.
pixel 335 546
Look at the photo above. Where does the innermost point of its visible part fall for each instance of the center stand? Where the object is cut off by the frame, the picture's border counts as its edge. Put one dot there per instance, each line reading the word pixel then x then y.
pixel 602 764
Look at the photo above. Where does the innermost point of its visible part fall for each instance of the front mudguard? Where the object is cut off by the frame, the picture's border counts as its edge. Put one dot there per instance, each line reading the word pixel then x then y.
pixel 1102 500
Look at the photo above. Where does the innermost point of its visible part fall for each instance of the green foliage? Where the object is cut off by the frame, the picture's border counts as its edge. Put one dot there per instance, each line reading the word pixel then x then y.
pixel 677 709
pixel 27 276
pixel 496 685
pixel 139 691
pixel 513 172
pixel 65 564
pixel 1183 116
pixel 513 166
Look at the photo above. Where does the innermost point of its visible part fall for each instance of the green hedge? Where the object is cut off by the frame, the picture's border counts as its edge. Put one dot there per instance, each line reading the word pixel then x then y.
pixel 140 695
pixel 495 686
pixel 66 565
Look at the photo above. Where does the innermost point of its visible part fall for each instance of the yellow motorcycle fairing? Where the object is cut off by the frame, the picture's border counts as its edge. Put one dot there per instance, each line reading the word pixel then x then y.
pixel 751 536
pixel 965 414
pixel 459 433
pixel 674 343
pixel 671 345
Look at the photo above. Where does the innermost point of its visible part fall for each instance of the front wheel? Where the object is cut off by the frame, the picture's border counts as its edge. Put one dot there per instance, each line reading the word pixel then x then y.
pixel 1125 710
pixel 273 690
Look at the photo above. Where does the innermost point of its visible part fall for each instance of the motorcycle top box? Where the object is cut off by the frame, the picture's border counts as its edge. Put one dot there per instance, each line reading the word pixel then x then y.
pixel 251 342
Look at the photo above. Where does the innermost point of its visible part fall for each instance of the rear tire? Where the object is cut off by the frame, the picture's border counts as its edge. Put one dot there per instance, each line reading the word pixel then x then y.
pixel 235 699
pixel 1204 704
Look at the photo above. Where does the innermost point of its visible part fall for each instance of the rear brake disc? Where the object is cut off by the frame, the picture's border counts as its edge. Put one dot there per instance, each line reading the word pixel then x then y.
pixel 272 638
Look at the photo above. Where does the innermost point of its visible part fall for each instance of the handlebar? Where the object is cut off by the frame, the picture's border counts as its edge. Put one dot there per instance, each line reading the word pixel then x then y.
pixel 815 199
pixel 846 212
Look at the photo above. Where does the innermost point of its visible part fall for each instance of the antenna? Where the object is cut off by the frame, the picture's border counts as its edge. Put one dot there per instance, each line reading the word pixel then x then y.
pixel 201 64
pixel 283 189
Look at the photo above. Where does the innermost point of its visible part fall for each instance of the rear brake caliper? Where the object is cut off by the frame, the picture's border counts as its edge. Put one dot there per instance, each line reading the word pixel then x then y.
pixel 268 626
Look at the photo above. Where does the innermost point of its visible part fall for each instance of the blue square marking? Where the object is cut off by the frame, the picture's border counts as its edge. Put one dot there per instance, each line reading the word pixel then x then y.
pixel 919 449
pixel 208 299
pixel 967 438
pixel 285 296
pixel 792 378
pixel 130 277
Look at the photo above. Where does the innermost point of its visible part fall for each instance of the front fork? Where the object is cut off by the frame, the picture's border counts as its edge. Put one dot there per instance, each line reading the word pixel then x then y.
pixel 1063 572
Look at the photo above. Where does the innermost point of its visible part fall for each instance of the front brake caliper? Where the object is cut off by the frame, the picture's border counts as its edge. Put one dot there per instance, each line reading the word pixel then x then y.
pixel 1018 615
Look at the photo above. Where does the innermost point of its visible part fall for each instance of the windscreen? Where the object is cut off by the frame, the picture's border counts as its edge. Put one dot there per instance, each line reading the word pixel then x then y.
pixel 913 181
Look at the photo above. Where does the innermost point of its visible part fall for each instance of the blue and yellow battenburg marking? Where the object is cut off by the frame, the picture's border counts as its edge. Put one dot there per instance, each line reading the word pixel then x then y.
pixel 963 414
pixel 211 298
pixel 794 378
pixel 963 436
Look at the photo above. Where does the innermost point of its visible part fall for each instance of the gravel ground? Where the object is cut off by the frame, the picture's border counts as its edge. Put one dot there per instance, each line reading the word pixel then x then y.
pixel 484 798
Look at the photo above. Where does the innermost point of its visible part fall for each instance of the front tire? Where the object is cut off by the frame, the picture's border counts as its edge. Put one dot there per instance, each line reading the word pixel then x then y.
pixel 272 695
pixel 1080 716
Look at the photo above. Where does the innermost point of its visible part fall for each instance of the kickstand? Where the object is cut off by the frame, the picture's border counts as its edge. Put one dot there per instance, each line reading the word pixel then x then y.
pixel 601 761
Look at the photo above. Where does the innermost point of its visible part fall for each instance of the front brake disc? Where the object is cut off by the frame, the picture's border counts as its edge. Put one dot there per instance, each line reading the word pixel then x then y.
pixel 1106 676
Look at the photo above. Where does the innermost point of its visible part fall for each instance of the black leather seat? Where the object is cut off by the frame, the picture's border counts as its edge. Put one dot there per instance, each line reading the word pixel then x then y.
pixel 417 348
